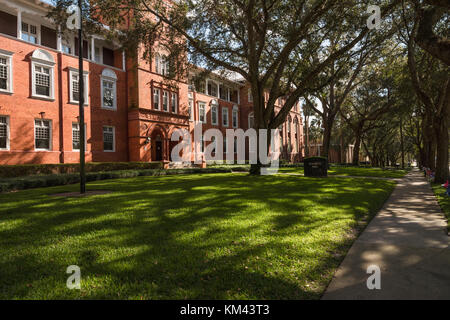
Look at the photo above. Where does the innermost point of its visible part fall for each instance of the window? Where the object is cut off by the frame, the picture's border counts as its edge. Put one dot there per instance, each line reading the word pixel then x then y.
pixel 42 64
pixel 225 117
pixel 42 134
pixel 235 117
pixel 191 110
pixel 4 133
pixel 251 120
pixel 212 88
pixel 174 102
pixel 42 80
pixel 223 92
pixel 214 114
pixel 29 33
pixel 74 87
pixel 109 139
pixel 5 71
pixel 98 55
pixel 200 86
pixel 250 96
pixel 201 112
pixel 156 99
pixel 166 101
pixel 76 136
pixel 66 47
pixel 162 65
pixel 109 89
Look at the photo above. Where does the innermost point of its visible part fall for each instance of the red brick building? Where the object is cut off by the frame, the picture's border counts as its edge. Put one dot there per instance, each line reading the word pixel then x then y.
pixel 130 111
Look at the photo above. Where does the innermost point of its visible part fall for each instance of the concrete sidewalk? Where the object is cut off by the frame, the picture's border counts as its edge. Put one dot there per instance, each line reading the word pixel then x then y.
pixel 408 241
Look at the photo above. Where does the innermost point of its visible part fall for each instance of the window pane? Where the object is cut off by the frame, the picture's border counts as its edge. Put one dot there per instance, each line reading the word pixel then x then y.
pixel 108 139
pixel 3 132
pixel 108 94
pixel 75 136
pixel 3 73
pixel 42 80
pixel 42 134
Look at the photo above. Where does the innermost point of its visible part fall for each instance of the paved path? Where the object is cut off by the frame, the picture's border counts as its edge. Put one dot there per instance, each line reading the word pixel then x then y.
pixel 340 176
pixel 408 240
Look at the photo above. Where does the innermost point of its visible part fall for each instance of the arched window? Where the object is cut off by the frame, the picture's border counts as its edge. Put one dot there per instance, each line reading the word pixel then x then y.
pixel 109 89
pixel 42 65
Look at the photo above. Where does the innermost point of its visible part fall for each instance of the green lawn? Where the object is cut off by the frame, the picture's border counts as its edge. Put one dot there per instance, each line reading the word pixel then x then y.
pixel 355 171
pixel 444 201
pixel 215 236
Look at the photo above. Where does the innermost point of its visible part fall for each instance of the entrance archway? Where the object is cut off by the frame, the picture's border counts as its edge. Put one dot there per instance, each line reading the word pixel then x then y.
pixel 158 147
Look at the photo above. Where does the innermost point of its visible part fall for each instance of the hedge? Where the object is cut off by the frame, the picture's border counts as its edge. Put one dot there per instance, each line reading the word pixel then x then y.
pixel 13 171
pixel 14 184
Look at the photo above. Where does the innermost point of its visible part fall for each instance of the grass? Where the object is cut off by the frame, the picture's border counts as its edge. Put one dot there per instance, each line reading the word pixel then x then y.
pixel 444 201
pixel 213 236
pixel 355 171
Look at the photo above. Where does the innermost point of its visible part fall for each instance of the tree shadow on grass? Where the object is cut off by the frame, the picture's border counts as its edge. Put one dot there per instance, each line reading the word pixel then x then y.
pixel 182 237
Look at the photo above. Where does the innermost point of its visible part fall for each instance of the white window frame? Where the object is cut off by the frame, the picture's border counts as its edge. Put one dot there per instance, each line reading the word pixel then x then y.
pixel 51 95
pixel 213 83
pixel 214 106
pixel 202 104
pixel 223 117
pixel 100 55
pixel 234 112
pixel 38 30
pixel 9 72
pixel 7 134
pixel 114 138
pixel 165 97
pixel 159 98
pixel 85 136
pixel 173 102
pixel 74 72
pixel 109 76
pixel 50 135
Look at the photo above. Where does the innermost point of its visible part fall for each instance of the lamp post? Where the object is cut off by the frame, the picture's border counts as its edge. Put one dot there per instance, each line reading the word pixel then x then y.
pixel 81 101
pixel 75 22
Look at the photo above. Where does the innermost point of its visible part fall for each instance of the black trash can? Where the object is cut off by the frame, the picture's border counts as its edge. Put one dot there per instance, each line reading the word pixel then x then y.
pixel 316 167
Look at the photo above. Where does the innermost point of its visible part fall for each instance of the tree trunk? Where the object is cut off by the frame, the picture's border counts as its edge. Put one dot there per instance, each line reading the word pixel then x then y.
pixel 442 138
pixel 328 126
pixel 355 159
pixel 402 144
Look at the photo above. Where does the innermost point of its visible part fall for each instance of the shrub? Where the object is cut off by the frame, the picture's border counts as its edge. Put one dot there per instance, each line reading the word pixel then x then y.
pixel 12 184
pixel 8 171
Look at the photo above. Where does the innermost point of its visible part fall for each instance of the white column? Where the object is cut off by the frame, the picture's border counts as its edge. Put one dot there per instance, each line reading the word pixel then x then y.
pixel 59 40
pixel 124 67
pixel 19 24
pixel 92 49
